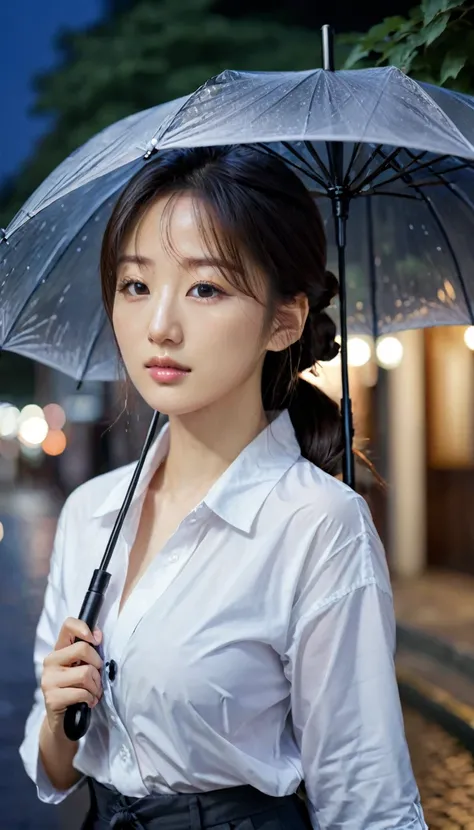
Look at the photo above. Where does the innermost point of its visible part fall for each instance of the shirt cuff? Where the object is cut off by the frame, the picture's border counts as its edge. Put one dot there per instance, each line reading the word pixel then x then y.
pixel 29 753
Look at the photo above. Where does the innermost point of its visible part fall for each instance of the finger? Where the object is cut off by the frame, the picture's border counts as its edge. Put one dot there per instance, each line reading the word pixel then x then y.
pixel 85 677
pixel 80 652
pixel 58 700
pixel 71 629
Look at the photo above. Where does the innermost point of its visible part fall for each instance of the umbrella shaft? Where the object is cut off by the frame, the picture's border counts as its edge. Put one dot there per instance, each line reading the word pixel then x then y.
pixel 346 403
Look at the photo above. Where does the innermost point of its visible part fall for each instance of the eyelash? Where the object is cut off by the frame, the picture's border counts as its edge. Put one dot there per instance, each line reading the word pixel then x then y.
pixel 123 285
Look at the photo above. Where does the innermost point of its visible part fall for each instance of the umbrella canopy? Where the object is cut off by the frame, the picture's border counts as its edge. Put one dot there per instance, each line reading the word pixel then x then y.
pixel 408 262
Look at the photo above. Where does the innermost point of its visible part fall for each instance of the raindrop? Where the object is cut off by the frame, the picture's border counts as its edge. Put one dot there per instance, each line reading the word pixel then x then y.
pixel 378 261
pixel 78 250
pixel 439 248
pixel 411 227
pixel 84 238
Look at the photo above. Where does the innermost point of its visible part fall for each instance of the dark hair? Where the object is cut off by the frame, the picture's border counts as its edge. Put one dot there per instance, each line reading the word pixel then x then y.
pixel 260 212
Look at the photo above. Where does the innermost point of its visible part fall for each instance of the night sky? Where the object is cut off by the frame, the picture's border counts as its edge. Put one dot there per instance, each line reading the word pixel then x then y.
pixel 27 30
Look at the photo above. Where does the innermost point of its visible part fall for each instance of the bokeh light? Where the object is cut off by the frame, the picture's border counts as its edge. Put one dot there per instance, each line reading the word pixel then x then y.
pixel 55 416
pixel 32 410
pixel 358 351
pixel 389 351
pixel 33 431
pixel 469 338
pixel 55 442
pixel 9 416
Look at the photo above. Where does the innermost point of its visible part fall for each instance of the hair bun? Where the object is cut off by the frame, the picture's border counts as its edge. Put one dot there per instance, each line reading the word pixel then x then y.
pixel 327 293
pixel 319 339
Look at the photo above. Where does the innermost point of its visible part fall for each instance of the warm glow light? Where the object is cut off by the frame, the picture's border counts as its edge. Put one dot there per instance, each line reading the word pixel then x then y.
pixel 469 338
pixel 33 431
pixel 55 416
pixel 9 421
pixel 55 442
pixel 358 351
pixel 389 351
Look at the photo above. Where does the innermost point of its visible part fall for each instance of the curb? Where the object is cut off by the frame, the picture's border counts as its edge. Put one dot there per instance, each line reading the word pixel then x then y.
pixel 439 706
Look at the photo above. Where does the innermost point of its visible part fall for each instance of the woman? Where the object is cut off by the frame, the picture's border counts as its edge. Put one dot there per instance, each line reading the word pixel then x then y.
pixel 248 629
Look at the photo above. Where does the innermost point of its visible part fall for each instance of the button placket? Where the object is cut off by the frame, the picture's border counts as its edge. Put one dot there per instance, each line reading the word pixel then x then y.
pixel 177 551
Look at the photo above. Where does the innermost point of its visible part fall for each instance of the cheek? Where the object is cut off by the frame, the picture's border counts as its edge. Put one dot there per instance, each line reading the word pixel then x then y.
pixel 232 339
pixel 126 327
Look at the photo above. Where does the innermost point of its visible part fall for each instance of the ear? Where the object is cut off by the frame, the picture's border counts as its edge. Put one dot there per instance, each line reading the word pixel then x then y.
pixel 289 323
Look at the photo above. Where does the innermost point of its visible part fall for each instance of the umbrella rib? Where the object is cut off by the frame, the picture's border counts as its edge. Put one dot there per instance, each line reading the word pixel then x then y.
pixel 374 192
pixel 366 165
pixel 384 166
pixel 301 158
pixel 372 272
pixel 307 172
pixel 354 154
pixel 445 235
pixel 405 171
pixel 315 156
pixel 95 339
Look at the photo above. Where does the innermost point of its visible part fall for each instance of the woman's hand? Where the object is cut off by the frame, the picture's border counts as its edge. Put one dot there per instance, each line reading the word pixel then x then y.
pixel 71 673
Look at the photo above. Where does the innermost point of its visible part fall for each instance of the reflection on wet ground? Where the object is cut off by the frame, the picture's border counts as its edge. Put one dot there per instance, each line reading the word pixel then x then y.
pixel 444 770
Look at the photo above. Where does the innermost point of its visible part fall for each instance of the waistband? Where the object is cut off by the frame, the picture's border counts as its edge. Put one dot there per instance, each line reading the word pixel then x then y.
pixel 180 811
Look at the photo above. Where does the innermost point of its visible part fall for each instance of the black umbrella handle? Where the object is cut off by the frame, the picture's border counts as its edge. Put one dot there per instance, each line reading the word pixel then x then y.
pixel 77 716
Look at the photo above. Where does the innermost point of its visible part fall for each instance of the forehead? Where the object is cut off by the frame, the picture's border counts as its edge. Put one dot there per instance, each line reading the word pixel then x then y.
pixel 173 223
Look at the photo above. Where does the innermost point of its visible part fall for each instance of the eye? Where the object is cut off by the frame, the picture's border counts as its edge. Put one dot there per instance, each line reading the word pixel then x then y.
pixel 206 291
pixel 133 288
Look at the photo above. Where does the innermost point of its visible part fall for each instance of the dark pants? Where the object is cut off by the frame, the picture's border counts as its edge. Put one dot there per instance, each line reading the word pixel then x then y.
pixel 238 808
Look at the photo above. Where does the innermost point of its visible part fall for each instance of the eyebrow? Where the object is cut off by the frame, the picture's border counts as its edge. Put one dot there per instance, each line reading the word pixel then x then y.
pixel 189 262
pixel 216 262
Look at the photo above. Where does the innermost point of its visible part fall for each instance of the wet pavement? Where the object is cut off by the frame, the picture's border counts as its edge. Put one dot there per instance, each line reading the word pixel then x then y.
pixel 444 771
pixel 443 768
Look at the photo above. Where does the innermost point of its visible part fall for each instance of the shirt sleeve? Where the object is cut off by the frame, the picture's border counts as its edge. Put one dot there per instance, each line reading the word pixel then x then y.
pixel 52 617
pixel 346 709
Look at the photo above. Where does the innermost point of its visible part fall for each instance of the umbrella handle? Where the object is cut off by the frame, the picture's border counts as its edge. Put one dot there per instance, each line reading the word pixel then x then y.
pixel 77 716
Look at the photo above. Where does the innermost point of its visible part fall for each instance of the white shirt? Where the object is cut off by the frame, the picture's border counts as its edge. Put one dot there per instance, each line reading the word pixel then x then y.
pixel 256 649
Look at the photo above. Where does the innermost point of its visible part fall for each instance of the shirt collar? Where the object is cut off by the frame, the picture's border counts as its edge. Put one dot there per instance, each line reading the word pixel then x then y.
pixel 238 494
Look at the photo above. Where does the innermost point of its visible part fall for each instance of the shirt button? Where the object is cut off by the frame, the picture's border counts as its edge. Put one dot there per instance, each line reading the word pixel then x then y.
pixel 124 755
pixel 113 719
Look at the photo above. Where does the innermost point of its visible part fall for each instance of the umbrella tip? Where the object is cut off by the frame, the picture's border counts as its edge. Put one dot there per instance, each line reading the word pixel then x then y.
pixel 327 40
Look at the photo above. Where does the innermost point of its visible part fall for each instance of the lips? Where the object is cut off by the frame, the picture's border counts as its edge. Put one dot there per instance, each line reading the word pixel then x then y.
pixel 166 363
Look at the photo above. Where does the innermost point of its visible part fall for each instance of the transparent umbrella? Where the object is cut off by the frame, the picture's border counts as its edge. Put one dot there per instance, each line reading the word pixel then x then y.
pixel 393 156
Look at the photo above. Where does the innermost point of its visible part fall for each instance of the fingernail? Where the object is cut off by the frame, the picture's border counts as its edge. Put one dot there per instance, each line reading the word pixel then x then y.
pixel 97 635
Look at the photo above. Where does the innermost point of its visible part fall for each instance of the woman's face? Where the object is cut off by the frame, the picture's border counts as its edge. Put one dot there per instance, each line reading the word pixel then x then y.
pixel 174 305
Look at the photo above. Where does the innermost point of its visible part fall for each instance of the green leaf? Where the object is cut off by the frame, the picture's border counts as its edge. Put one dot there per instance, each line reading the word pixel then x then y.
pixel 433 30
pixel 358 53
pixel 431 8
pixel 451 66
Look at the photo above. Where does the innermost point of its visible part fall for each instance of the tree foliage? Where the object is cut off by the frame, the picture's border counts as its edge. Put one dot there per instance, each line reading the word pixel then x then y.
pixel 435 43
pixel 142 54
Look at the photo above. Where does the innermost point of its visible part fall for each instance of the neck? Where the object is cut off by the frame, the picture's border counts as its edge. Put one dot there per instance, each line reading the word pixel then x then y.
pixel 203 444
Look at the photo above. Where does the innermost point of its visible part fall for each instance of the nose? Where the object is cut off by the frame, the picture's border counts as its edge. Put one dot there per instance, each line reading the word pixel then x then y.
pixel 165 325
